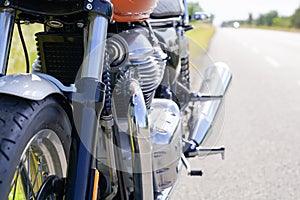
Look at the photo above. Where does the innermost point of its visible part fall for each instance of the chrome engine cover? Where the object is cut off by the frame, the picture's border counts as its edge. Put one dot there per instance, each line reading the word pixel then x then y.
pixel 166 130
pixel 135 54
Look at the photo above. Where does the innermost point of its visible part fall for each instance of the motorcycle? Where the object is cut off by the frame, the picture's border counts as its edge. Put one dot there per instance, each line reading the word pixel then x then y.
pixel 107 111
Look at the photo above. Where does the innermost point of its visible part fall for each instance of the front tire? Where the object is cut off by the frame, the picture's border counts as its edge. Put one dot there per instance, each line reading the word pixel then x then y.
pixel 35 138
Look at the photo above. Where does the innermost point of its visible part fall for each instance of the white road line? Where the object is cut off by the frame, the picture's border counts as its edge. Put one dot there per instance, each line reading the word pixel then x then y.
pixel 298 82
pixel 272 62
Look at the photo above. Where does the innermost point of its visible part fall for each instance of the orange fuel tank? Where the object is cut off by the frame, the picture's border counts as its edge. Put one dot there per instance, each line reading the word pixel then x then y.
pixel 132 10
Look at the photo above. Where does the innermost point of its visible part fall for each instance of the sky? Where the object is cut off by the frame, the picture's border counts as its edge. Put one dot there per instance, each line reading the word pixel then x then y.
pixel 225 10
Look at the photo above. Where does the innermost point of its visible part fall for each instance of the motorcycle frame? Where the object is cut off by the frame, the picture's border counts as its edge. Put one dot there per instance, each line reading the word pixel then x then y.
pixel 82 172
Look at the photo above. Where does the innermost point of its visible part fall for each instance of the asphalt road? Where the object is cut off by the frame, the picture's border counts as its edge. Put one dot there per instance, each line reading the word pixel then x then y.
pixel 261 127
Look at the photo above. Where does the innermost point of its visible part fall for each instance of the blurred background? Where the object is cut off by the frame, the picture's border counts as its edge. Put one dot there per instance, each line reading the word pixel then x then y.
pixel 260 41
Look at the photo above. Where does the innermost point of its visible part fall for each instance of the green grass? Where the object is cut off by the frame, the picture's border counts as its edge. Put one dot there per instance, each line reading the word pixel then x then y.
pixel 202 34
pixel 199 39
pixel 16 62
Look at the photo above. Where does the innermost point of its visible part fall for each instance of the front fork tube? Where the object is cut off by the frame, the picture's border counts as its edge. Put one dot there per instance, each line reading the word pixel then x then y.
pixel 7 19
pixel 87 106
pixel 95 39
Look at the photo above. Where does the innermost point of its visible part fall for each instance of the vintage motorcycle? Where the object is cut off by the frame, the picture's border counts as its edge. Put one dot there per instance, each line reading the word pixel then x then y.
pixel 107 111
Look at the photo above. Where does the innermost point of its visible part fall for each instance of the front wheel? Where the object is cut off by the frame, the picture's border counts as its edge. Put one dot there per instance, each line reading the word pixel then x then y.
pixel 35 137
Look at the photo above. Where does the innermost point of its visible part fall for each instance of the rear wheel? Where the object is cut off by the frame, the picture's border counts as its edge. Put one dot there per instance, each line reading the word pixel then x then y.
pixel 34 143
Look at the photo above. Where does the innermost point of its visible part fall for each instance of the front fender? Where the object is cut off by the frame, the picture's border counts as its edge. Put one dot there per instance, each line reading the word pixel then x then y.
pixel 29 86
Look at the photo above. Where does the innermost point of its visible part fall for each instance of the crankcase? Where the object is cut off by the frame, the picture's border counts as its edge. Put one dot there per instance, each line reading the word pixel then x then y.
pixel 165 128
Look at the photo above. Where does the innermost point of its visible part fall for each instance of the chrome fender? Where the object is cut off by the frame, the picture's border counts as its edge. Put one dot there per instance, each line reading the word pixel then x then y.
pixel 28 86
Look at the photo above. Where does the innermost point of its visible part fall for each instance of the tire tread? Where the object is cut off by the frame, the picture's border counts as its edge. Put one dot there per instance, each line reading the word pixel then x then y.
pixel 15 115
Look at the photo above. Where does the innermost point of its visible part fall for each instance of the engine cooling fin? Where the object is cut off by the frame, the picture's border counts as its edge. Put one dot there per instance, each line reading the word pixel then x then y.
pixel 145 62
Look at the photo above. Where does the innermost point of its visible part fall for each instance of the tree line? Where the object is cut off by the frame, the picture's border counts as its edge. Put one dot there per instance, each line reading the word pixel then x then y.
pixel 271 18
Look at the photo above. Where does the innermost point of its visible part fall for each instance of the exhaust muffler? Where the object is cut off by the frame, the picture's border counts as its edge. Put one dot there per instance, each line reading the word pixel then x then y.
pixel 208 102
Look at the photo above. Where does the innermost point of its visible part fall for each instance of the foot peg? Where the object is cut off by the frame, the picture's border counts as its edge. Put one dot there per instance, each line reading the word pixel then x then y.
pixel 204 97
pixel 202 152
pixel 190 172
pixel 196 173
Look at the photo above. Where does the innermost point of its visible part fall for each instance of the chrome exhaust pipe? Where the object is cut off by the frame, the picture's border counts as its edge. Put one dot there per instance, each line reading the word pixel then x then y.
pixel 206 107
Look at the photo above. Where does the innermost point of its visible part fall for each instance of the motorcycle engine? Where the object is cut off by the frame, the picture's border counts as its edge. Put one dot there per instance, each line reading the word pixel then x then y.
pixel 135 54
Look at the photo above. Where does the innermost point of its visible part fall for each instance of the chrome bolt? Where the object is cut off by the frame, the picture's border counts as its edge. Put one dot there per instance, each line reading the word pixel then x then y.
pixel 27 22
pixel 80 24
pixel 89 6
pixel 91 1
pixel 6 3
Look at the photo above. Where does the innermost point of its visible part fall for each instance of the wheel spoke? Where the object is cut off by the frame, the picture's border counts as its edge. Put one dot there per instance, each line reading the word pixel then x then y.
pixel 37 162
pixel 26 181
pixel 22 172
pixel 16 183
pixel 28 173
pixel 35 178
pixel 39 175
pixel 41 168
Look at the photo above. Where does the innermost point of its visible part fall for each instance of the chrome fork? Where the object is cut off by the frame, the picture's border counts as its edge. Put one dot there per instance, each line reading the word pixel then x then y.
pixel 95 40
pixel 7 18
pixel 87 105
